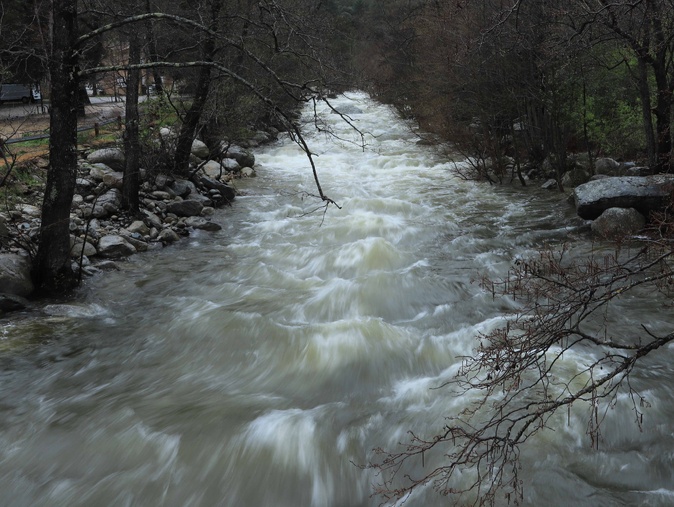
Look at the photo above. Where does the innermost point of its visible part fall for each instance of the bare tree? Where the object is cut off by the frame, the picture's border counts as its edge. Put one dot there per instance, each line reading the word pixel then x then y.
pixel 516 376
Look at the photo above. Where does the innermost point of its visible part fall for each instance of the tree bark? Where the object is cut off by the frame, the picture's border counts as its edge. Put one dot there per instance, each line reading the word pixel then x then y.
pixel 131 185
pixel 663 119
pixel 152 51
pixel 191 120
pixel 52 271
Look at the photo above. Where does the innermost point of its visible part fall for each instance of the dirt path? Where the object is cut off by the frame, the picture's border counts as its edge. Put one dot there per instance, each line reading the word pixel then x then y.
pixel 18 122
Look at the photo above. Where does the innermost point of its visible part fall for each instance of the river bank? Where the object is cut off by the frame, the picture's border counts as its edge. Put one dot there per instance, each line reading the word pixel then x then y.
pixel 101 231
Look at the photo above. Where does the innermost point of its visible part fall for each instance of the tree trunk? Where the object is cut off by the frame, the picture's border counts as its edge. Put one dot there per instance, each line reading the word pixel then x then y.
pixel 152 51
pixel 131 185
pixel 191 121
pixel 52 271
pixel 663 119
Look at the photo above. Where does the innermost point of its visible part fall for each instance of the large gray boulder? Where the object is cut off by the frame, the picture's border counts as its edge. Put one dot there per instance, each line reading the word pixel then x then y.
pixel 618 223
pixel 186 208
pixel 15 275
pixel 112 157
pixel 80 247
pixel 114 179
pixel 199 149
pixel 114 246
pixel 643 193
pixel 242 156
pixel 202 223
pixel 108 203
pixel 606 166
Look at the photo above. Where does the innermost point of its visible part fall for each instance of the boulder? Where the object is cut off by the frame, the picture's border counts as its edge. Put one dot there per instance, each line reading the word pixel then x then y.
pixel 167 134
pixel 161 195
pixel 183 188
pixel 186 208
pixel 213 169
pixel 643 193
pixel 28 209
pixel 168 236
pixel 227 192
pixel 78 244
pixel 606 166
pixel 108 203
pixel 138 227
pixel 153 219
pixel 115 246
pixel 618 223
pixel 15 274
pixel 112 157
pixel 202 223
pixel 136 240
pixel 113 179
pixel 575 177
pixel 247 172
pixel 12 303
pixel 97 171
pixel 199 149
pixel 242 156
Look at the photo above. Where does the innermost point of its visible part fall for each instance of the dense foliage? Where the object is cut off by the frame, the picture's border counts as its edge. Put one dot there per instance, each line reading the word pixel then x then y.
pixel 536 78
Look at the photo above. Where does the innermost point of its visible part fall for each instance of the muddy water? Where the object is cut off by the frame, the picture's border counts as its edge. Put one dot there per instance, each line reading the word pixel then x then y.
pixel 255 366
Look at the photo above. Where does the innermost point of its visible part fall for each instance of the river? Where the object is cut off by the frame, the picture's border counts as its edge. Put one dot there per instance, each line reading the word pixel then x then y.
pixel 259 365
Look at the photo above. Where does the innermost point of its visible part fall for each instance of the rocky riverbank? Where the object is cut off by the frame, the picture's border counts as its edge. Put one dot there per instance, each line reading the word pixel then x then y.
pixel 102 233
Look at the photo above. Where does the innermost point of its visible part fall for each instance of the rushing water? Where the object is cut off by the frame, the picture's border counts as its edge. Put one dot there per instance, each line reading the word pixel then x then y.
pixel 257 366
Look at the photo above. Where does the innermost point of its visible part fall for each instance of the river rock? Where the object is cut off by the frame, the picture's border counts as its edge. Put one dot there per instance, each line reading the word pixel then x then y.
pixel 247 172
pixel 168 235
pixel 115 246
pixel 161 195
pixel 606 166
pixel 138 227
pixel 136 240
pixel 15 274
pixel 183 188
pixel 12 303
pixel 202 223
pixel 107 204
pixel 153 219
pixel 227 192
pixel 78 245
pixel 199 149
pixel 618 223
pixel 112 157
pixel 575 177
pixel 28 209
pixel 186 208
pixel 242 156
pixel 97 171
pixel 643 193
pixel 213 169
pixel 113 179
